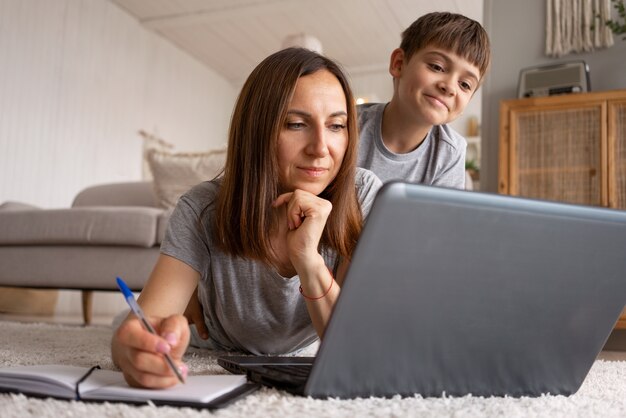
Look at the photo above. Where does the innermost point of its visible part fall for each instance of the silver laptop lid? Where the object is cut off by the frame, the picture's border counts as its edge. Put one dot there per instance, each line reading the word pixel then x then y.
pixel 454 292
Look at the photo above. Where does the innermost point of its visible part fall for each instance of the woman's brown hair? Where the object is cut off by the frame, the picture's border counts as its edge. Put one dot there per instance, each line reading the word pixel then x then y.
pixel 243 216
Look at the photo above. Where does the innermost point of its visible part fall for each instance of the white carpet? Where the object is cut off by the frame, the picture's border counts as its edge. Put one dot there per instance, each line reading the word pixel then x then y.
pixel 603 393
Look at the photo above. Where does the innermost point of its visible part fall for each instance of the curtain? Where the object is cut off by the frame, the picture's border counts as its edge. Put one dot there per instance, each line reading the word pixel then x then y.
pixel 577 26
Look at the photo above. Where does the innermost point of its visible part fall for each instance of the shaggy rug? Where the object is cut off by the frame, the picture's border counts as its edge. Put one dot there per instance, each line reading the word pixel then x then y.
pixel 602 394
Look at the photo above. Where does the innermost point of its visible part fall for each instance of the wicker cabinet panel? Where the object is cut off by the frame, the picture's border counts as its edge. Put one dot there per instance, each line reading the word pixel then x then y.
pixel 570 148
pixel 556 166
pixel 617 154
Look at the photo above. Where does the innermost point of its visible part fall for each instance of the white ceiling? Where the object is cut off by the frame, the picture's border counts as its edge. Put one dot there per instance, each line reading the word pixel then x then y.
pixel 233 36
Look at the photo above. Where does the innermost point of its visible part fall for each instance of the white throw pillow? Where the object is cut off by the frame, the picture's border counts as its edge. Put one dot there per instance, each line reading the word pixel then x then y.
pixel 174 174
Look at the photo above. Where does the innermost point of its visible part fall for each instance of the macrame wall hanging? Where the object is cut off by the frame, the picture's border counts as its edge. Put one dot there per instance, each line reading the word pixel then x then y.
pixel 574 26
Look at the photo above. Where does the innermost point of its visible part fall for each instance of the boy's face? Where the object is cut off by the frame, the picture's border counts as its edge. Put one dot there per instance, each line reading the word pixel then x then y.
pixel 435 85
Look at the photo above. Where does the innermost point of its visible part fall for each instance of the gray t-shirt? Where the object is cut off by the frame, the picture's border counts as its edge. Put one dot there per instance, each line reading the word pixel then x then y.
pixel 438 161
pixel 247 305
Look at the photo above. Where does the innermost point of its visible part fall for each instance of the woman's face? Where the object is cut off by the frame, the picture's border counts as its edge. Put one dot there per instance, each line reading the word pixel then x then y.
pixel 314 138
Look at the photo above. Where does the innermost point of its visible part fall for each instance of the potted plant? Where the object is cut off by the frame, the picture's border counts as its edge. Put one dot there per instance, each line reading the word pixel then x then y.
pixel 472 168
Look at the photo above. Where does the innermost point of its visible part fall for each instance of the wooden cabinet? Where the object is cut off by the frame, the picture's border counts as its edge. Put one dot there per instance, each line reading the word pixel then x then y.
pixel 617 151
pixel 570 148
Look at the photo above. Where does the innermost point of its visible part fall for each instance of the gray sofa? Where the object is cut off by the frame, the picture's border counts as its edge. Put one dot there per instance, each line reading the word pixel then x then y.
pixel 110 230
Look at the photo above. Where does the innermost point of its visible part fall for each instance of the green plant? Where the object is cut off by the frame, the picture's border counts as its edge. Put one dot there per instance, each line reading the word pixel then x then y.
pixel 618 26
pixel 471 165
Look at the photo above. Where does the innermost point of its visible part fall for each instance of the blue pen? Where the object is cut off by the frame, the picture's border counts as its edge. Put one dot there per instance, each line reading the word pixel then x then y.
pixel 134 306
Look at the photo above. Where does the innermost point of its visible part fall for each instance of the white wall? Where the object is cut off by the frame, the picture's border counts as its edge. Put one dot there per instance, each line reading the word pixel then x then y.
pixel 517 32
pixel 78 79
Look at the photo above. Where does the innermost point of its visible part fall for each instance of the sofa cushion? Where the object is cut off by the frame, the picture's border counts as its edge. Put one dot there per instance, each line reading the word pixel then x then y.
pixel 76 267
pixel 137 193
pixel 174 174
pixel 11 206
pixel 98 225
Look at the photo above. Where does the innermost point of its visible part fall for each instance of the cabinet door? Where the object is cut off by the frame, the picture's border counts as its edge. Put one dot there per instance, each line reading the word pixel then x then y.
pixel 617 154
pixel 558 152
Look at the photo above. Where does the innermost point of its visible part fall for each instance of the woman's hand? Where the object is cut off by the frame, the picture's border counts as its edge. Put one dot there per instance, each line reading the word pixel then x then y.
pixel 139 353
pixel 306 219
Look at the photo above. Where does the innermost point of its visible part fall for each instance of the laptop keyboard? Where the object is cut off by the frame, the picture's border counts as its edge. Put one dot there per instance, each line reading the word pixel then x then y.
pixel 289 377
pixel 294 370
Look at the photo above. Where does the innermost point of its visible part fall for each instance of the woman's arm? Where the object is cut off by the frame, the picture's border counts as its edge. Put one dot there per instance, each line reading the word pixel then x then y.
pixel 321 304
pixel 169 288
pixel 306 218
pixel 164 298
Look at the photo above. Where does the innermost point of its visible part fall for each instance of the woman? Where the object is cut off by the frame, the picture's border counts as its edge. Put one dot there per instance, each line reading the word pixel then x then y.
pixel 267 244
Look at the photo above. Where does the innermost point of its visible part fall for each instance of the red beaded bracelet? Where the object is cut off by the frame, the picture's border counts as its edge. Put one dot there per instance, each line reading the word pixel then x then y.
pixel 332 280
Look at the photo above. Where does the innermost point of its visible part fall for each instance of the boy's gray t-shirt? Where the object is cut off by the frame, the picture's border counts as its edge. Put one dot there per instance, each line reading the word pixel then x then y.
pixel 438 161
pixel 247 305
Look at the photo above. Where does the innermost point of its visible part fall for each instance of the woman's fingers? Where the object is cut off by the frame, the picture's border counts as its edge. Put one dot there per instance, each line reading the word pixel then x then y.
pixel 282 199
pixel 133 334
pixel 306 216
pixel 151 371
pixel 175 330
pixel 302 205
pixel 149 380
pixel 144 364
pixel 293 217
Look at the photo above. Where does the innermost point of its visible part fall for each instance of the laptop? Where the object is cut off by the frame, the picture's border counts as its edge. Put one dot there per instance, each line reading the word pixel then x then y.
pixel 452 292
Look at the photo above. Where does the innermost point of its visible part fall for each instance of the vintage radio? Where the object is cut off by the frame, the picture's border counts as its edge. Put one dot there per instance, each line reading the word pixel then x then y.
pixel 566 77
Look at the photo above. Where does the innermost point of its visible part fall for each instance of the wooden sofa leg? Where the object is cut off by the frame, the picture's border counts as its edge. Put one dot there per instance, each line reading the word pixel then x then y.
pixel 87 304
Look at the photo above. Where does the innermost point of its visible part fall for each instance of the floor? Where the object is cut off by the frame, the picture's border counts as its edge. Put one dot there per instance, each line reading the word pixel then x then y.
pixel 614 349
pixel 56 319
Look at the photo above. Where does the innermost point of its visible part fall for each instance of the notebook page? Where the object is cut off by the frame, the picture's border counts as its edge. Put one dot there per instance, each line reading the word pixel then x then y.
pixel 53 380
pixel 196 389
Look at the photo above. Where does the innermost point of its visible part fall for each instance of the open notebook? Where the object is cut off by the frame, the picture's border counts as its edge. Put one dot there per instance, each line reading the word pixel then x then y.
pixel 81 383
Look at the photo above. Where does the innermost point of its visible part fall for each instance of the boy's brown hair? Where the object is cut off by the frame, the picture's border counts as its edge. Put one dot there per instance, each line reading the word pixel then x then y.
pixel 450 31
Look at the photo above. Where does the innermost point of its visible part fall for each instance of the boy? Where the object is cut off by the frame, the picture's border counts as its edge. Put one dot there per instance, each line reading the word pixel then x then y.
pixel 439 66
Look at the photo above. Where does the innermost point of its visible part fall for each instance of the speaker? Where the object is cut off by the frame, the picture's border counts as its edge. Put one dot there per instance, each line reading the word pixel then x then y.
pixel 548 80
